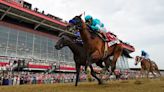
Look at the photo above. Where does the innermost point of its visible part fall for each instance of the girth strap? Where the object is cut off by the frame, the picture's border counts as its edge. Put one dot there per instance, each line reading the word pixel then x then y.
pixel 105 50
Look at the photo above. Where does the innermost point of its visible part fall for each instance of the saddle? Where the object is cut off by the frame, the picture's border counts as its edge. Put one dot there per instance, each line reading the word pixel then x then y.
pixel 148 59
pixel 112 39
pixel 109 37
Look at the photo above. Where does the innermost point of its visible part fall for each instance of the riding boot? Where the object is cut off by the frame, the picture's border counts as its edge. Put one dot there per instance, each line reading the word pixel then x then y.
pixel 105 37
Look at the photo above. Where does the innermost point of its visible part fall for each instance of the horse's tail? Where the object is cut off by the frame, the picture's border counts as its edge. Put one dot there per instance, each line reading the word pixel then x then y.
pixel 154 67
pixel 126 54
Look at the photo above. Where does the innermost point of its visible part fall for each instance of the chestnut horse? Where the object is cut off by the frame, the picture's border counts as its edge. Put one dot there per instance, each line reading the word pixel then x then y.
pixel 147 66
pixel 95 46
pixel 79 53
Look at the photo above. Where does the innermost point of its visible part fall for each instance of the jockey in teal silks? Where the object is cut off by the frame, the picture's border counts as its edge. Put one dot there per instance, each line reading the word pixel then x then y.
pixel 96 25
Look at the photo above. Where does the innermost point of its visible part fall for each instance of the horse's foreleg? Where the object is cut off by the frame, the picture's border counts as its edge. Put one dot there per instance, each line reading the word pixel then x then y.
pixel 147 73
pixel 92 58
pixel 77 74
pixel 142 72
pixel 88 61
pixel 94 75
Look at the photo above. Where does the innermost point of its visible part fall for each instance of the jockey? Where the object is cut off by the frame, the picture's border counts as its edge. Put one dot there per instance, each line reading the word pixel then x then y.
pixel 144 54
pixel 96 25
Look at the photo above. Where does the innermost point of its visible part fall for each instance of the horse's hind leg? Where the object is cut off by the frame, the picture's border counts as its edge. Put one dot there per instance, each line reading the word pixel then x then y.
pixel 117 53
pixel 157 71
pixel 107 62
pixel 94 75
pixel 153 74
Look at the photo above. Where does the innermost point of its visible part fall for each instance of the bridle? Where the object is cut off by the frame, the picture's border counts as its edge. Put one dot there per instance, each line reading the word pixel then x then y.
pixel 139 59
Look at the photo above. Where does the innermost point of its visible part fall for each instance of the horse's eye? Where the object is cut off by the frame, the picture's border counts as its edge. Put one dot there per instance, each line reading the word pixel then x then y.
pixel 68 26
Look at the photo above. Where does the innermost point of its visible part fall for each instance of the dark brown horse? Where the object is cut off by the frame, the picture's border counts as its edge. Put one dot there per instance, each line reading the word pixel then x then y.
pixel 147 66
pixel 95 46
pixel 79 53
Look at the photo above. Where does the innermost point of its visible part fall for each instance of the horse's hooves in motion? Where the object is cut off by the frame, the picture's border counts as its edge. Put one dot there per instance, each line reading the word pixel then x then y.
pixel 100 82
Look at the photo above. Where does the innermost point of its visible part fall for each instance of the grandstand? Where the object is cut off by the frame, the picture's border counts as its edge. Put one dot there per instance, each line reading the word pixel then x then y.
pixel 30 34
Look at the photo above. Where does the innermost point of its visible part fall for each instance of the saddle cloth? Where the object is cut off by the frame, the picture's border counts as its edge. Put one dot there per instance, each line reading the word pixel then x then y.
pixel 112 39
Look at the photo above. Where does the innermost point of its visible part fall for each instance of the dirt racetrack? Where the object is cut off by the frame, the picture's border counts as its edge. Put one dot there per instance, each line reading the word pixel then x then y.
pixel 140 85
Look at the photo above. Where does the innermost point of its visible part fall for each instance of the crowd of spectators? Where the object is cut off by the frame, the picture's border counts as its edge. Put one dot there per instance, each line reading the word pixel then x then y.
pixel 35 78
pixel 20 78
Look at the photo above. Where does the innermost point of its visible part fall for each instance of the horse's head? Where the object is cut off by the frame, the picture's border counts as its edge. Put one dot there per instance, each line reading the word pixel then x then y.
pixel 65 38
pixel 75 23
pixel 61 42
pixel 138 59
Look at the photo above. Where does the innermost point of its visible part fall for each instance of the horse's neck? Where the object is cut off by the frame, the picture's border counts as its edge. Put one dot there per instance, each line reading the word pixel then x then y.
pixel 145 61
pixel 74 47
pixel 85 35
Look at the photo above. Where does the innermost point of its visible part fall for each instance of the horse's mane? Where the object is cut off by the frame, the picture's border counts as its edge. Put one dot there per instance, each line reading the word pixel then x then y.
pixel 66 34
pixel 70 37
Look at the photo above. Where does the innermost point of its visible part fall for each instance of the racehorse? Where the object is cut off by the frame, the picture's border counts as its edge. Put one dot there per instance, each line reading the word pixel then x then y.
pixel 147 66
pixel 79 53
pixel 95 46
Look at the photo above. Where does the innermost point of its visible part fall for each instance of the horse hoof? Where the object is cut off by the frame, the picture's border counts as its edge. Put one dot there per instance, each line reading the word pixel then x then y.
pixel 76 84
pixel 100 82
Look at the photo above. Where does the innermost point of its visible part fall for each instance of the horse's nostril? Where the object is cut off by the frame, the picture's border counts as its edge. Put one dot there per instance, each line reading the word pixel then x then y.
pixel 56 46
